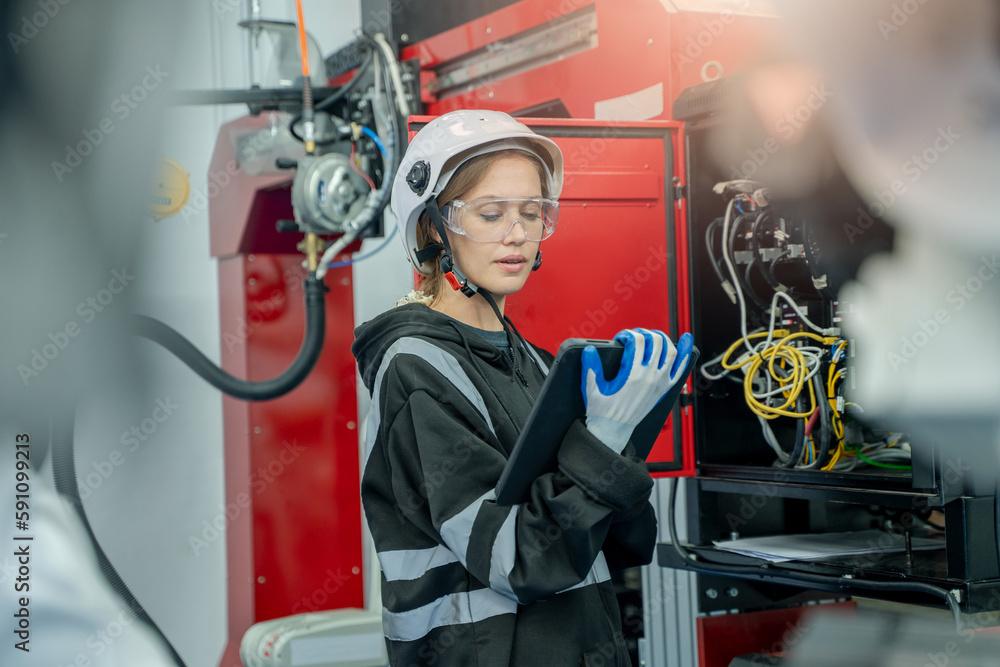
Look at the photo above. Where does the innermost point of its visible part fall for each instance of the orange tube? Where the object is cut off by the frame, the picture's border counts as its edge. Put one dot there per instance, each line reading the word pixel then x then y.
pixel 303 46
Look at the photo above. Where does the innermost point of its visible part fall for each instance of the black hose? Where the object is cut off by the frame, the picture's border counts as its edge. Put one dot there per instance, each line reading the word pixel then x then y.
pixel 800 435
pixel 731 241
pixel 64 471
pixel 746 274
pixel 825 425
pixel 348 56
pixel 711 251
pixel 745 285
pixel 672 523
pixel 312 345
pixel 363 68
pixel 769 275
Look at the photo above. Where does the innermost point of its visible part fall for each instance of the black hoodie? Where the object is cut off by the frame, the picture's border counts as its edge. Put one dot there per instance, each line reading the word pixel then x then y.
pixel 466 581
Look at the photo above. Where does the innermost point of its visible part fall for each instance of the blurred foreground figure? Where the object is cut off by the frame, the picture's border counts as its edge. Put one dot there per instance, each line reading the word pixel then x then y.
pixel 74 617
pixel 826 639
pixel 909 93
pixel 79 116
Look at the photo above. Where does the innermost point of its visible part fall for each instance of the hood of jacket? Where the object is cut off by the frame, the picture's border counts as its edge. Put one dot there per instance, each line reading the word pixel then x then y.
pixel 374 337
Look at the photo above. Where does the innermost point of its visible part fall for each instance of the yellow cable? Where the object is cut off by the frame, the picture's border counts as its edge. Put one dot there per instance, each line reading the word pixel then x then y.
pixel 732 348
pixel 768 412
pixel 792 384
pixel 835 458
pixel 792 361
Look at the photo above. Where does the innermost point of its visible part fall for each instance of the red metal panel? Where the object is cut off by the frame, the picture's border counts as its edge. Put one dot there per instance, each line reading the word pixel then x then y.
pixel 305 479
pixel 613 185
pixel 775 631
pixel 640 44
pixel 292 514
pixel 293 509
pixel 611 70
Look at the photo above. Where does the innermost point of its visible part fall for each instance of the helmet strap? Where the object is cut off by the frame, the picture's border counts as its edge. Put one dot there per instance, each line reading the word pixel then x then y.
pixel 452 273
pixel 457 279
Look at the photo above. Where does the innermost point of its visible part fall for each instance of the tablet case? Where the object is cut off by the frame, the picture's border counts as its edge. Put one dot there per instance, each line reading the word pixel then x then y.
pixel 560 403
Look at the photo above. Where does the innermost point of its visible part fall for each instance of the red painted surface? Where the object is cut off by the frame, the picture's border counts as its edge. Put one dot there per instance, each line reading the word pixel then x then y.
pixel 293 529
pixel 640 44
pixel 775 631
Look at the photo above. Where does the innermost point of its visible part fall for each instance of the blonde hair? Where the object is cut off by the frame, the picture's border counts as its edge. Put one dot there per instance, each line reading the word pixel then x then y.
pixel 466 177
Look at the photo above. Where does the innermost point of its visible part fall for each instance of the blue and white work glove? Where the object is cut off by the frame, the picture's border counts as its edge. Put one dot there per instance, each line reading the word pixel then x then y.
pixel 650 366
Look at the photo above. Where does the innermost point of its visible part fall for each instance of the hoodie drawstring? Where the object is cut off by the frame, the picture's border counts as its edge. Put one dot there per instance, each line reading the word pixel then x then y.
pixel 483 374
pixel 510 340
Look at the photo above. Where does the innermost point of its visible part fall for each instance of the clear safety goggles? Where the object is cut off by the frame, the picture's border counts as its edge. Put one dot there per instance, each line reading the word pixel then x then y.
pixel 492 220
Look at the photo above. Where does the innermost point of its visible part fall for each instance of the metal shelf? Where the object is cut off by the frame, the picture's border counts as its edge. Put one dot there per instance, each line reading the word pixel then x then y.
pixel 877 488
pixel 848 574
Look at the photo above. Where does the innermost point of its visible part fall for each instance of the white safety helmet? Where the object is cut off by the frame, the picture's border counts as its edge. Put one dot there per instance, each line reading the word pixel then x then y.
pixel 447 142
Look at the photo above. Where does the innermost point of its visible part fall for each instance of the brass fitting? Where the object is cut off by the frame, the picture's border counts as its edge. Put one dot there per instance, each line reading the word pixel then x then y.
pixel 313 246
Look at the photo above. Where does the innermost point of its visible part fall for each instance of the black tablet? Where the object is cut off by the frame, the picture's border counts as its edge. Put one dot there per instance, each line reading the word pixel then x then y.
pixel 560 403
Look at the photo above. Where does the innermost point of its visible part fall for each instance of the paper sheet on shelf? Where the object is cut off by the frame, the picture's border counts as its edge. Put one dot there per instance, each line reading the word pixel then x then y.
pixel 810 546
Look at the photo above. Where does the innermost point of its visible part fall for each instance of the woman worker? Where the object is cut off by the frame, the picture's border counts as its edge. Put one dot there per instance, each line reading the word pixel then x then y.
pixel 466 581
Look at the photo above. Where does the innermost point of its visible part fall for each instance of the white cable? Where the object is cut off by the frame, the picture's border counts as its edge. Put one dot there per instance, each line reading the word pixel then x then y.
pixel 332 252
pixel 732 274
pixel 886 454
pixel 726 371
pixel 397 80
pixel 709 376
pixel 846 463
pixel 798 312
pixel 744 185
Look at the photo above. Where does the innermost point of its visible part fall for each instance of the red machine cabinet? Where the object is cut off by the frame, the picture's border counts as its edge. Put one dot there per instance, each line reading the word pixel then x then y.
pixel 292 487
pixel 639 45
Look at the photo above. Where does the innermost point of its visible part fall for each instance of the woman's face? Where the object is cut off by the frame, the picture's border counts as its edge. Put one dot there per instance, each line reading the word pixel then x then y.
pixel 501 267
